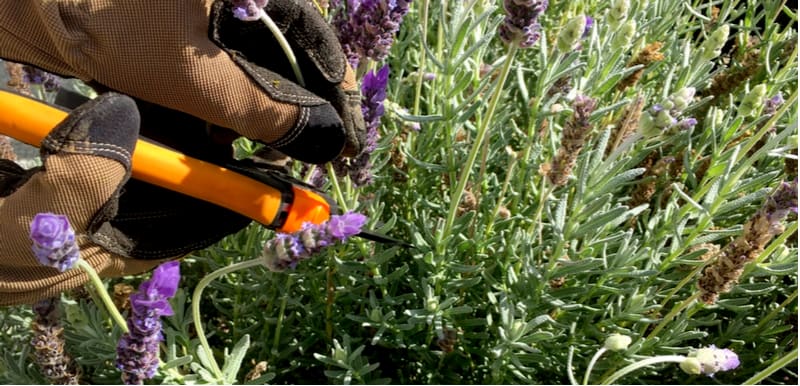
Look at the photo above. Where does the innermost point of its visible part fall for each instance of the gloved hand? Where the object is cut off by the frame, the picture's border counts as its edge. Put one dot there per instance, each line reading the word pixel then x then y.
pixel 194 57
pixel 86 159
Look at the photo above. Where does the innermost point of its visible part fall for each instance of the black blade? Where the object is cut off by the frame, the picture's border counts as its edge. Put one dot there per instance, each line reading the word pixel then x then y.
pixel 383 239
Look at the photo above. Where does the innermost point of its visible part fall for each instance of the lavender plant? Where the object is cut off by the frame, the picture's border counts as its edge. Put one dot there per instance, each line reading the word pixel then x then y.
pixel 514 279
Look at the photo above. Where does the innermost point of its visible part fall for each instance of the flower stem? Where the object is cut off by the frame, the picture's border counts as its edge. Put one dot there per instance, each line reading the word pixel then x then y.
pixel 455 197
pixel 101 290
pixel 423 55
pixel 642 363
pixel 589 368
pixel 570 374
pixel 198 290
pixel 775 366
pixel 279 325
pixel 287 49
pixel 337 189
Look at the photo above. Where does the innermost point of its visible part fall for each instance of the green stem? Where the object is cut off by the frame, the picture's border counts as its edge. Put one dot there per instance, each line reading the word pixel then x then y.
pixel 775 366
pixel 101 290
pixel 592 362
pixel 455 197
pixel 198 324
pixel 287 49
pixel 337 190
pixel 537 218
pixel 422 56
pixel 642 363
pixel 279 325
pixel 570 374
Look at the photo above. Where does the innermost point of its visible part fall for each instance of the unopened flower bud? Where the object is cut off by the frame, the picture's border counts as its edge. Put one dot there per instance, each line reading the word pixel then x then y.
pixel 618 12
pixel 571 33
pixel 624 35
pixel 712 47
pixel 617 342
pixel 682 98
pixel 691 366
pixel 753 101
pixel 663 119
pixel 647 126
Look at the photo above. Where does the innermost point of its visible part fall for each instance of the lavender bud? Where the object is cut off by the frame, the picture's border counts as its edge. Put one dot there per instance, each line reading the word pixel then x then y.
pixel 712 47
pixel 624 35
pixel 753 101
pixel 710 361
pixel 617 342
pixel 54 241
pixel 618 13
pixel 571 33
pixel 286 251
pixel 772 104
pixel 248 10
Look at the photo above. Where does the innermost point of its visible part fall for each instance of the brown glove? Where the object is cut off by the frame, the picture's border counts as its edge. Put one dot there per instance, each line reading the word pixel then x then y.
pixel 194 57
pixel 86 161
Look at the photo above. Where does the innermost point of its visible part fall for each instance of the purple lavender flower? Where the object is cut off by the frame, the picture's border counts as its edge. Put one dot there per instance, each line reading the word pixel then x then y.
pixel 137 350
pixel 32 75
pixel 248 10
pixel 366 28
pixel 521 25
pixel 687 123
pixel 345 226
pixel 588 28
pixel 286 250
pixel 710 361
pixel 54 241
pixel 772 104
pixel 373 93
pixel 780 203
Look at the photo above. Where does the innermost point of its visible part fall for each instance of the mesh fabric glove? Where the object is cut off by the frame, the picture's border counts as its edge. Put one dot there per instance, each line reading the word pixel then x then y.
pixel 194 57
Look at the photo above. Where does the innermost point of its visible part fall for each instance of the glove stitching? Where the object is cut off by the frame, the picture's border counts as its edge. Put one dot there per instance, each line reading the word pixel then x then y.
pixel 90 146
pixel 292 135
pixel 290 97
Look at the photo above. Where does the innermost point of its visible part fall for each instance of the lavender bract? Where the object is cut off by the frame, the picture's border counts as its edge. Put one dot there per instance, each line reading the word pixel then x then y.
pixel 521 25
pixel 137 350
pixel 54 241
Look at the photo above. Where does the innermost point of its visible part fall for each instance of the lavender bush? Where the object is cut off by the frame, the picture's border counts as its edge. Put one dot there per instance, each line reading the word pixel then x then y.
pixel 572 190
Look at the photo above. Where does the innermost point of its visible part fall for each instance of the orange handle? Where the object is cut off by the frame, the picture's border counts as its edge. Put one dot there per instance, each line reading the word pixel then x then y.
pixel 30 121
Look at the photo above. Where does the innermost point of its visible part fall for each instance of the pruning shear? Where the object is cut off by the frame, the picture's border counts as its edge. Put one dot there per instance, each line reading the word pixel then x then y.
pixel 271 198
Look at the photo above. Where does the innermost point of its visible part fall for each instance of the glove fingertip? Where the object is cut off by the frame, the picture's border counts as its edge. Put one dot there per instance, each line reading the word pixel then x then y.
pixel 318 138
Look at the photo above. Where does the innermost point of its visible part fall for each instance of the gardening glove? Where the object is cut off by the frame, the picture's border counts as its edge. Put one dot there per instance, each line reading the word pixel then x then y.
pixel 124 227
pixel 195 57
pixel 86 160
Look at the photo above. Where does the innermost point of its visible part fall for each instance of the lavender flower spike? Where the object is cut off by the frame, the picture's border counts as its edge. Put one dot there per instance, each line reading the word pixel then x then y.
pixel 137 351
pixel 285 250
pixel 710 361
pixel 54 241
pixel 521 25
pixel 248 10
pixel 366 28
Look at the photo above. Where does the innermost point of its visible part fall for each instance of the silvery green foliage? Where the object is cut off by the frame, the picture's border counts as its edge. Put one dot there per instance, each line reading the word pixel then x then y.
pixel 528 281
